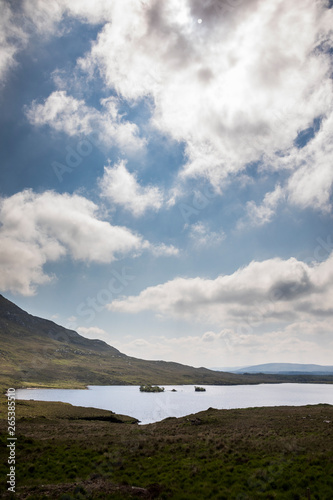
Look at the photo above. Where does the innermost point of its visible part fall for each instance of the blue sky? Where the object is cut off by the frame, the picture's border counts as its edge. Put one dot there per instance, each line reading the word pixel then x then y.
pixel 166 175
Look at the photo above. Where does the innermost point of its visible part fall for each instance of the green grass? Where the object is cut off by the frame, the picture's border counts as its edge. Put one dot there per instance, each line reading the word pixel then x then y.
pixel 257 453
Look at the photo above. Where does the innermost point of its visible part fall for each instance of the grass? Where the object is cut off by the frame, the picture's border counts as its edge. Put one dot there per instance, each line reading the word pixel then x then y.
pixel 257 453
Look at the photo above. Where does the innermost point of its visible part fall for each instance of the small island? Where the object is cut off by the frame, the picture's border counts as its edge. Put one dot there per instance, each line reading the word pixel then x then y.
pixel 151 388
pixel 199 389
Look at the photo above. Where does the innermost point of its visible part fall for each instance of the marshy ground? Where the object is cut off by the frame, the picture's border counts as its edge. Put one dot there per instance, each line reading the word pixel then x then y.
pixel 68 453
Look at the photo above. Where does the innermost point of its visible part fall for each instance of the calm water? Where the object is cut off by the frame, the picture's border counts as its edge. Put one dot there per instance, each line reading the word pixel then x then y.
pixel 152 407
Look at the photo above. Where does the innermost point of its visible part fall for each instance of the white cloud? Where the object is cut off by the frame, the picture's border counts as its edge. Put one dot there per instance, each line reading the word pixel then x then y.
pixel 203 237
pixel 121 187
pixel 18 23
pixel 237 88
pixel 311 183
pixel 273 290
pixel 40 228
pixel 166 250
pixel 92 332
pixel 66 114
pixel 46 16
pixel 12 39
pixel 229 348
pixel 257 215
pixel 189 349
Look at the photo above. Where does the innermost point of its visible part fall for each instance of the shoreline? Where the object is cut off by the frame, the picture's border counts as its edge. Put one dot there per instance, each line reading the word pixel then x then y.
pixel 180 400
pixel 236 453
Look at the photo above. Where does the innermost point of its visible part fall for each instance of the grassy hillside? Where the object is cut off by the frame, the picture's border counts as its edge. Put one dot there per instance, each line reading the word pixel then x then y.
pixel 37 352
pixel 258 453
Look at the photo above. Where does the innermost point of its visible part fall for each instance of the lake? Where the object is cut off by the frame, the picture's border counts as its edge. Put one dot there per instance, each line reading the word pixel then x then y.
pixel 153 407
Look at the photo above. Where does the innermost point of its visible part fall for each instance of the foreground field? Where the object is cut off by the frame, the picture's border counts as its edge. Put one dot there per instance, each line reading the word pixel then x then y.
pixel 261 453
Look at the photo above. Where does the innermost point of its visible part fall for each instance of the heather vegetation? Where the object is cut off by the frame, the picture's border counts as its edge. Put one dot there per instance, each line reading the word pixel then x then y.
pixel 260 453
pixel 151 388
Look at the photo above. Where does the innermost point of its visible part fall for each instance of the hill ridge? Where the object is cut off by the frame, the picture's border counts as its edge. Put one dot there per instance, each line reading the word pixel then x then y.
pixel 284 368
pixel 14 314
pixel 36 352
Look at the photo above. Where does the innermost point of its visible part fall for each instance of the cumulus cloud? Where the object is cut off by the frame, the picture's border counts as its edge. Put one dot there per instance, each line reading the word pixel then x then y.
pixel 310 182
pixel 237 88
pixel 66 114
pixel 121 187
pixel 269 291
pixel 40 228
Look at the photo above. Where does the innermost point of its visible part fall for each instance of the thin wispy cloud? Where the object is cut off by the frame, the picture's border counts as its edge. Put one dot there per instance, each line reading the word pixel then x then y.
pixel 201 235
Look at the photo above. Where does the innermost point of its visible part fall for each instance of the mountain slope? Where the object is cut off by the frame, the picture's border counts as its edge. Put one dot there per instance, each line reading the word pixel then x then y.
pixel 37 352
pixel 10 315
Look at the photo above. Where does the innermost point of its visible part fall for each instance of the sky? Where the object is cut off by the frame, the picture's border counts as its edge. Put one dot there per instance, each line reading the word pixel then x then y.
pixel 166 175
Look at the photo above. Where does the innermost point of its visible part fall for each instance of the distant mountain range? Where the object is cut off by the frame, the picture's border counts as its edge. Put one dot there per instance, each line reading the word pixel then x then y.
pixel 282 369
pixel 36 352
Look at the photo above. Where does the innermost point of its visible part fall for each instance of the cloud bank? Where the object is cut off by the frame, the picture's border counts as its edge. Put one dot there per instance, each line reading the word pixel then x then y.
pixel 37 228
pixel 237 89
pixel 273 290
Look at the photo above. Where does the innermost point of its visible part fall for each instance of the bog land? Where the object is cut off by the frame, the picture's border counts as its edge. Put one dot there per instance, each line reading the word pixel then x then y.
pixel 68 453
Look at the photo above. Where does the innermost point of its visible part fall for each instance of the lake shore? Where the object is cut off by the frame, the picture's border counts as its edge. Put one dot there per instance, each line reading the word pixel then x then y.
pixel 279 452
pixel 178 401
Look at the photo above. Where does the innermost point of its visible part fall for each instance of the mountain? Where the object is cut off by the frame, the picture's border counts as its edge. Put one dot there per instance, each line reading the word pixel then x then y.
pixel 283 369
pixel 10 315
pixel 38 352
